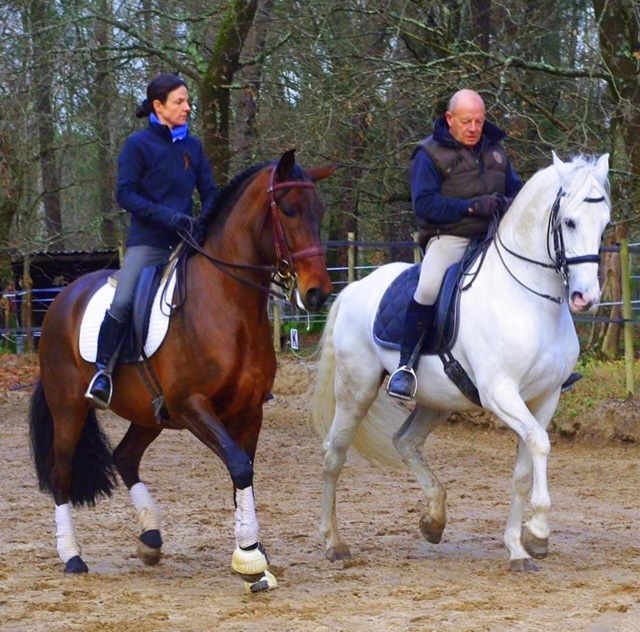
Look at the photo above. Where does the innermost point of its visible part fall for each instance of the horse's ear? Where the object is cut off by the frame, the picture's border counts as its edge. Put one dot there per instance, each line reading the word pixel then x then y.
pixel 602 166
pixel 286 164
pixel 561 167
pixel 556 161
pixel 321 173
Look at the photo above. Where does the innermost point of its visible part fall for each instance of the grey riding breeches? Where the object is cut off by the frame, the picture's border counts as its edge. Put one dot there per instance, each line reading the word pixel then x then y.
pixel 135 258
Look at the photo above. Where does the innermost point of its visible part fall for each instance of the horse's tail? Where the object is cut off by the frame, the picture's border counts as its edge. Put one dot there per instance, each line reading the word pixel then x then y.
pixel 323 397
pixel 373 437
pixel 94 473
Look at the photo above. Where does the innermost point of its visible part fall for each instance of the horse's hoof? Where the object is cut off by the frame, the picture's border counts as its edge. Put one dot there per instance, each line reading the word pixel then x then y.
pixel 523 565
pixel 337 553
pixel 431 529
pixel 150 547
pixel 76 566
pixel 536 547
pixel 266 582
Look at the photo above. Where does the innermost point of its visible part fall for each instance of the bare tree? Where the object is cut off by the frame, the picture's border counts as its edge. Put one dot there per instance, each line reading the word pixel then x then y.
pixel 41 18
pixel 215 88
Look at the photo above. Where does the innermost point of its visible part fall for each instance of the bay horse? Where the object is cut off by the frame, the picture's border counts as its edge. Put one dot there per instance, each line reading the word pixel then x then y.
pixel 215 367
pixel 516 341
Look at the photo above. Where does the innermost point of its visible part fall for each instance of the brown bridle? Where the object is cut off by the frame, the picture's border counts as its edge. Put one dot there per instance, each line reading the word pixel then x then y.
pixel 285 257
pixel 284 269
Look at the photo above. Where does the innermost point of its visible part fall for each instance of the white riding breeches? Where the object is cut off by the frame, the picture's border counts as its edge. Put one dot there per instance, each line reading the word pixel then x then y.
pixel 441 252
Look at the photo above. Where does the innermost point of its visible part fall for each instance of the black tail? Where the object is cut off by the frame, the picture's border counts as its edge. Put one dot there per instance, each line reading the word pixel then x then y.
pixel 94 474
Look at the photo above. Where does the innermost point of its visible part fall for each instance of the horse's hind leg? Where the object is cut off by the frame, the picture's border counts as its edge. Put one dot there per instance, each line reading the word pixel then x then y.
pixel 127 457
pixel 350 410
pixel 408 440
pixel 72 458
pixel 64 447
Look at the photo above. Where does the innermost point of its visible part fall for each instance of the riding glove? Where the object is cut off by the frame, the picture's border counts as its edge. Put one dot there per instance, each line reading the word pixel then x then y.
pixel 181 222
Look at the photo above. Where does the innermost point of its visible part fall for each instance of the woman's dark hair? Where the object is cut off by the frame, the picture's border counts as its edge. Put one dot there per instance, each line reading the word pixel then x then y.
pixel 159 88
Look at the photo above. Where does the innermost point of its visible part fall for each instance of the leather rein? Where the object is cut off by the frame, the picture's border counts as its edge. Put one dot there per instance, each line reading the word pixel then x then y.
pixel 283 273
pixel 559 260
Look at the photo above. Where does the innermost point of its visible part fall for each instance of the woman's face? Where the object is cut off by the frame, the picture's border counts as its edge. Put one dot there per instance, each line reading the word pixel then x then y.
pixel 175 111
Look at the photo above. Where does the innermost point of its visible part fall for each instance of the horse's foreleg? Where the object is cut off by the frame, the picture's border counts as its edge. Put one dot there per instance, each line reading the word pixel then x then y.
pixel 408 440
pixel 249 559
pixel 530 473
pixel 127 457
pixel 521 488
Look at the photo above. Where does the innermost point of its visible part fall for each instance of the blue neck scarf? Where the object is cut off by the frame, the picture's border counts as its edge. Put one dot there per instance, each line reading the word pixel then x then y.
pixel 179 132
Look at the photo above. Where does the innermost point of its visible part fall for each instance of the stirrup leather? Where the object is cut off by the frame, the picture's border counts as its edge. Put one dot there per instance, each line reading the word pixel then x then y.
pixel 404 369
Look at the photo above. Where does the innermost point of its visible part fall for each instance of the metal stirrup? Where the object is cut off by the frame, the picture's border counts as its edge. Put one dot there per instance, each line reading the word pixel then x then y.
pixel 405 369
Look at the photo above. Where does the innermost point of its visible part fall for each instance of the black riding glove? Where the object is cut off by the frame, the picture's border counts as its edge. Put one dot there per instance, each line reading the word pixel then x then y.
pixel 181 222
pixel 488 205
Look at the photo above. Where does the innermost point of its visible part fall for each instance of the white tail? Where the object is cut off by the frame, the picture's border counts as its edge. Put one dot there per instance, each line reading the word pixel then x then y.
pixel 373 437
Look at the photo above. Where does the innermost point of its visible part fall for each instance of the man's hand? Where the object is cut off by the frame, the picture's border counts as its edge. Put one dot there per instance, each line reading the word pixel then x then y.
pixel 488 205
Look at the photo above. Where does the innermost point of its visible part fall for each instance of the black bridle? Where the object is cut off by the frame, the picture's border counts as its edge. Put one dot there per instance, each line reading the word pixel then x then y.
pixel 559 261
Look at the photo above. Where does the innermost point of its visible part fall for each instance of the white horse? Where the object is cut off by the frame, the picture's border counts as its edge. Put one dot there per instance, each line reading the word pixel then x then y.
pixel 516 341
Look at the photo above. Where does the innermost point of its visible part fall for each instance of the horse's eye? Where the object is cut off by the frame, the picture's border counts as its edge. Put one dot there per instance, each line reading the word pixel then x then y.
pixel 569 223
pixel 289 211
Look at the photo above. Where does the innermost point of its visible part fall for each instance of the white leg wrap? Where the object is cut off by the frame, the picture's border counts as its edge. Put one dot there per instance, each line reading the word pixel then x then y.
pixel 148 514
pixel 65 535
pixel 246 528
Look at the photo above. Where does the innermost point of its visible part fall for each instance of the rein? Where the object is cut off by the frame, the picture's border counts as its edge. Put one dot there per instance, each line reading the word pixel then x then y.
pixel 283 274
pixel 560 263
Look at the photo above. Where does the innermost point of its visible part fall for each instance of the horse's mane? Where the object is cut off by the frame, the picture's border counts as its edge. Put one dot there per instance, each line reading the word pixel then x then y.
pixel 574 180
pixel 540 191
pixel 215 217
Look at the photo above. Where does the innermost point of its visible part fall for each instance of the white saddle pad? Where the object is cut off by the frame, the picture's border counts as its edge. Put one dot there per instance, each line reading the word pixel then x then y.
pixel 100 303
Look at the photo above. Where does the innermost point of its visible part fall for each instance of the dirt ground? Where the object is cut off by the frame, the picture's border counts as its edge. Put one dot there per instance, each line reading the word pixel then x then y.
pixel 395 581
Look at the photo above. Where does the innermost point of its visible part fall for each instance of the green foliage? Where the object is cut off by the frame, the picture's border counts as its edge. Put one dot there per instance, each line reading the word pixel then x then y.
pixel 603 380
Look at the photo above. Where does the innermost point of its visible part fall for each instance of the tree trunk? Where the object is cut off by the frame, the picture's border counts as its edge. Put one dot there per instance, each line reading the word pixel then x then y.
pixel 101 96
pixel 248 103
pixel 41 16
pixel 215 90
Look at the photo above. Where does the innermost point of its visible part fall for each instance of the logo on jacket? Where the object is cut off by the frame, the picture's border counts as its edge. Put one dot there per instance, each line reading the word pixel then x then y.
pixel 497 156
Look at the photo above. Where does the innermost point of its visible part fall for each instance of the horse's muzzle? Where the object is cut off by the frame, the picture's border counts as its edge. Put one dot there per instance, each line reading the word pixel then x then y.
pixel 313 299
pixel 579 302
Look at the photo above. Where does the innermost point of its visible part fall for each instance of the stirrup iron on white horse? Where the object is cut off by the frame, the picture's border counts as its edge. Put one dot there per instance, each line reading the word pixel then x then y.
pixel 404 369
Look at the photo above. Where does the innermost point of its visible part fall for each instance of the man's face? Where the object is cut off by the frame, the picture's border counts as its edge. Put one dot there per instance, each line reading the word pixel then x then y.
pixel 466 121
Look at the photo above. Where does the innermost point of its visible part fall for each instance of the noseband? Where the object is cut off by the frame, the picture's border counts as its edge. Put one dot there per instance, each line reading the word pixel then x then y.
pixel 560 262
pixel 286 259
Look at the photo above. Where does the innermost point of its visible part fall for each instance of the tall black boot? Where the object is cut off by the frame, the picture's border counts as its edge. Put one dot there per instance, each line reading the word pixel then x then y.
pixel 419 319
pixel 110 339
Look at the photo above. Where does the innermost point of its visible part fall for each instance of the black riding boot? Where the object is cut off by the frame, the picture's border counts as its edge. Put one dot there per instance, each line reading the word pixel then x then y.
pixel 110 339
pixel 419 318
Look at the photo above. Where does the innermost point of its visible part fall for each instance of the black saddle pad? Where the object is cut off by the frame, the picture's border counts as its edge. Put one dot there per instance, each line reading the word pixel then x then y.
pixel 388 327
